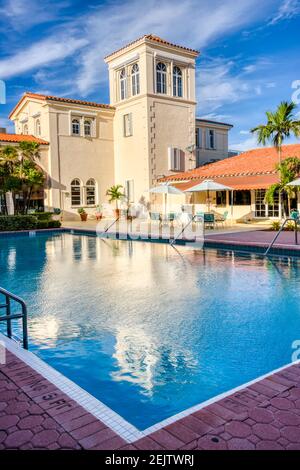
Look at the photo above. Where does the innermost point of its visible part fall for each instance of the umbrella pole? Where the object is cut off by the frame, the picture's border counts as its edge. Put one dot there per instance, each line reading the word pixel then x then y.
pixel 231 206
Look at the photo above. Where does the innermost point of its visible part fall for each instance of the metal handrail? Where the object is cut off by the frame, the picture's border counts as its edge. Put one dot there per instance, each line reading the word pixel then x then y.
pixel 172 242
pixel 9 316
pixel 279 232
pixel 115 221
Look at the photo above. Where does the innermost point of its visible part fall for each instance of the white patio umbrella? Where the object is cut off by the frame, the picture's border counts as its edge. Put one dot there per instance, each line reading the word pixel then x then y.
pixel 210 185
pixel 165 189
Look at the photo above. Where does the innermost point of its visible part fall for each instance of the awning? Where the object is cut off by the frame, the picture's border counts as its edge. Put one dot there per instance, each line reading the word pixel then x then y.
pixel 235 182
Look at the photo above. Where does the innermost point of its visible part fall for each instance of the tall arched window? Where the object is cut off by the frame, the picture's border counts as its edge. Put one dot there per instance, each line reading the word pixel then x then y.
pixel 25 129
pixel 177 81
pixel 135 79
pixel 38 127
pixel 75 127
pixel 87 127
pixel 90 192
pixel 161 78
pixel 76 192
pixel 123 84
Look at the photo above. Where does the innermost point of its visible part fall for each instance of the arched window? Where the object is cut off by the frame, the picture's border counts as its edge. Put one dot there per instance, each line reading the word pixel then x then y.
pixel 135 79
pixel 177 82
pixel 38 127
pixel 123 84
pixel 76 192
pixel 87 127
pixel 161 78
pixel 90 192
pixel 75 127
pixel 25 129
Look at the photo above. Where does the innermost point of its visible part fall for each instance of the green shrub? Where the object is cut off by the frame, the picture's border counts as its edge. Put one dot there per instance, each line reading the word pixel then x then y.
pixel 9 223
pixel 54 224
pixel 276 225
pixel 290 226
pixel 43 215
pixel 17 222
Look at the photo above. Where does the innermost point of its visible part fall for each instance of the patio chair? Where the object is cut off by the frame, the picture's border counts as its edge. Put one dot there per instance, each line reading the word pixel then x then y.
pixel 222 218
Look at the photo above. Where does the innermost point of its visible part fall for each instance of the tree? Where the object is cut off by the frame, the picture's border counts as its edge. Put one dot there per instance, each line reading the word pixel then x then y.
pixel 288 170
pixel 280 125
pixel 19 172
pixel 115 194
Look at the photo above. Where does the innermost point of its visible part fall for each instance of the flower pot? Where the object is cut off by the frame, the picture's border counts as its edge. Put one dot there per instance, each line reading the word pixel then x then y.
pixel 117 213
pixel 98 216
pixel 83 217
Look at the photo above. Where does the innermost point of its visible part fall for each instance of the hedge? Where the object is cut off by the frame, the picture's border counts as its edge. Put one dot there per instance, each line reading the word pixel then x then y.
pixel 10 223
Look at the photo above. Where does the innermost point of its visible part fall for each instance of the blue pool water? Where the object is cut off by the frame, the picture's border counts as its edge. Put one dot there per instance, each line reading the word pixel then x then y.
pixel 147 330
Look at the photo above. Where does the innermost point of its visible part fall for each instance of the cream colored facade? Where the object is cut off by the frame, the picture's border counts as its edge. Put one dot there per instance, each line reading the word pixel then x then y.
pixel 147 131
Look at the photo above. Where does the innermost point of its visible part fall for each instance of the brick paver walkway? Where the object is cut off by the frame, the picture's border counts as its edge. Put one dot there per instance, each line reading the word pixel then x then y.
pixel 256 237
pixel 34 414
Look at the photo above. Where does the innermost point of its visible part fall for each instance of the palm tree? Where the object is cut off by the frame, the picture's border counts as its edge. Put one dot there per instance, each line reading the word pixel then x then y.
pixel 115 194
pixel 280 125
pixel 288 170
pixel 9 159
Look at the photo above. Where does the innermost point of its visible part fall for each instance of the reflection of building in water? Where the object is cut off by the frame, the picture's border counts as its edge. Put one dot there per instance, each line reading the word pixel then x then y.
pixel 147 362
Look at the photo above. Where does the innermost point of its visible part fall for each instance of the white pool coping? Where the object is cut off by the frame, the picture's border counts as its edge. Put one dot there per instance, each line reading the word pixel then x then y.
pixel 101 411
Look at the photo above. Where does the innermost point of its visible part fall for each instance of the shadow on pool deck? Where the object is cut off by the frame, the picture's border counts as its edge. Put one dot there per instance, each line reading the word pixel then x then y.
pixel 35 414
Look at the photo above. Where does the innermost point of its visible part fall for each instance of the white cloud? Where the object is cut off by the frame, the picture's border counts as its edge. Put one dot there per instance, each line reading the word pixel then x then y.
pixel 242 132
pixel 287 10
pixel 108 27
pixel 39 54
pixel 247 144
pixel 22 16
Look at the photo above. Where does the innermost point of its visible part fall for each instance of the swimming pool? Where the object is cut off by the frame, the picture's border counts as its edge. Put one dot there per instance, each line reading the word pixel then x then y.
pixel 148 330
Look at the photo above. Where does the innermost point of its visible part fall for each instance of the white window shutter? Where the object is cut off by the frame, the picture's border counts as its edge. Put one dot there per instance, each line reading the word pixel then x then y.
pixel 170 158
pixel 130 124
pixel 199 137
pixel 182 160
pixel 207 139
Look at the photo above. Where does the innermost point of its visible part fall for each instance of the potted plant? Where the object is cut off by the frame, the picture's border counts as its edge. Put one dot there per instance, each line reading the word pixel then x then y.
pixel 115 194
pixel 98 213
pixel 83 214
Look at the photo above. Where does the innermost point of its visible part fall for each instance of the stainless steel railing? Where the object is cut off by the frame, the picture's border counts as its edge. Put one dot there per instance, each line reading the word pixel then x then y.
pixel 9 316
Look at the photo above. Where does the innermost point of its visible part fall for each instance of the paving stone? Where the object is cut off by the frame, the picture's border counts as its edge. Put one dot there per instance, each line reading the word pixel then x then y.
pixel 112 444
pixel 87 430
pixel 97 438
pixel 67 442
pixel 7 421
pixel 240 444
pixel 268 445
pixel 209 418
pixel 261 415
pixel 266 431
pixel 282 403
pixel 238 429
pixel 167 440
pixel 288 418
pixel 18 438
pixel 182 432
pixel 196 425
pixel 3 436
pixel 291 433
pixel 211 443
pixel 30 422
pixel 146 443
pixel 45 438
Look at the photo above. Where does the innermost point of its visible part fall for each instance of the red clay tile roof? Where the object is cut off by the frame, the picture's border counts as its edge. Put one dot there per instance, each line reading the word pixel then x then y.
pixel 39 96
pixel 157 39
pixel 254 169
pixel 16 138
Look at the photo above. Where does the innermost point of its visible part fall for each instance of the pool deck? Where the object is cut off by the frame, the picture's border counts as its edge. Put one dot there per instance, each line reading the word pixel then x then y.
pixel 35 414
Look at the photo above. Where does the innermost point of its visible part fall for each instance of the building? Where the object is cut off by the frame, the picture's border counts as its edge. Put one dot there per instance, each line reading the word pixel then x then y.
pixel 248 174
pixel 146 132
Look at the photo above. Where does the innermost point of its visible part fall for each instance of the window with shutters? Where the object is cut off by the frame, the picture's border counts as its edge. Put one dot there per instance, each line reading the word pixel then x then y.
pixel 210 139
pixel 76 192
pixel 123 84
pixel 176 159
pixel 127 125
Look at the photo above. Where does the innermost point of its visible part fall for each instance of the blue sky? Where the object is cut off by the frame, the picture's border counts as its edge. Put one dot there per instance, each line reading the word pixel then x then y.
pixel 250 51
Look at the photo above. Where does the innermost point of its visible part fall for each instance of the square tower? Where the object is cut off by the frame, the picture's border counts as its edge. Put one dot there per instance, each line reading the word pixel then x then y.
pixel 152 87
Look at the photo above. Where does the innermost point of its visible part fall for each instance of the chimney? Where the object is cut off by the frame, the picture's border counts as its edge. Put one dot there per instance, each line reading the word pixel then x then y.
pixel 2 130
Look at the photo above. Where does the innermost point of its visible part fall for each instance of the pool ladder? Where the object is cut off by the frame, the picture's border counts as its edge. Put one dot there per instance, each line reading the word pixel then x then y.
pixel 279 232
pixel 8 317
